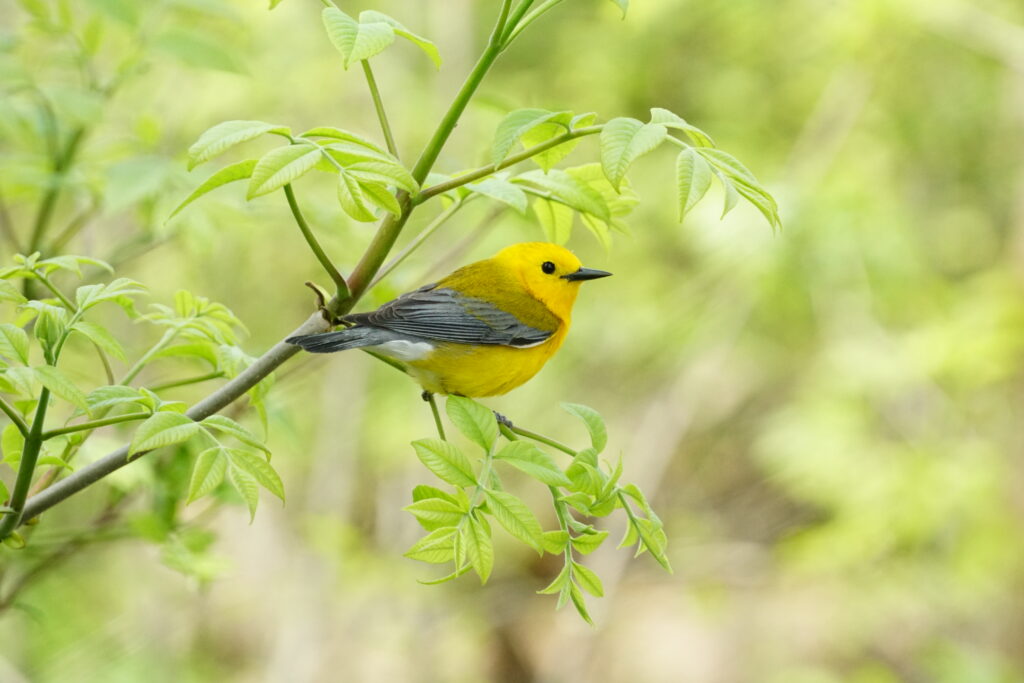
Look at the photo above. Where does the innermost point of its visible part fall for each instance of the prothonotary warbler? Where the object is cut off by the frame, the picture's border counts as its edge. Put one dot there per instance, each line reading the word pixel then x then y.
pixel 482 330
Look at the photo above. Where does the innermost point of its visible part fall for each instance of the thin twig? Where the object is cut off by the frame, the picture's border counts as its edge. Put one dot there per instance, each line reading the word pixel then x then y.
pixel 94 424
pixel 185 382
pixel 428 396
pixel 378 104
pixel 314 246
pixel 420 238
pixel 14 416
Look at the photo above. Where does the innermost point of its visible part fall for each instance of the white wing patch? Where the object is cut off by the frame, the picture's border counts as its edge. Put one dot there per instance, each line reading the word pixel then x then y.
pixel 401 349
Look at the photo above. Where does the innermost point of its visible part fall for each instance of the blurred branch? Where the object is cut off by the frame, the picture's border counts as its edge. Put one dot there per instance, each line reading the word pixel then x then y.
pixel 7 226
pixel 420 238
pixel 378 104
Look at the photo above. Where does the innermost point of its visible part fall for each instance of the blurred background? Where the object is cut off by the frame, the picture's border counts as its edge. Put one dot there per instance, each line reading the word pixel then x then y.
pixel 827 419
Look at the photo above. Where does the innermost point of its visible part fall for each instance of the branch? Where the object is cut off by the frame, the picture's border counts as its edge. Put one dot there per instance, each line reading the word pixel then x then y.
pixel 14 416
pixel 339 282
pixel 26 468
pixel 420 238
pixel 93 424
pixel 485 171
pixel 378 104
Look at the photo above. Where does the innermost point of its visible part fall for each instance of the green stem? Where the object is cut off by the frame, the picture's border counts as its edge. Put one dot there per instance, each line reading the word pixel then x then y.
pixel 510 28
pixel 378 104
pixel 186 381
pixel 485 171
pixel 420 238
pixel 29 456
pixel 540 438
pixel 169 335
pixel 93 424
pixel 437 414
pixel 14 416
pixel 529 19
pixel 49 201
pixel 339 282
pixel 56 292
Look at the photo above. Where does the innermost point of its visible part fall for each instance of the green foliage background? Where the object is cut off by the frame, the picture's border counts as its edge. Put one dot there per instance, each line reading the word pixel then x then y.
pixel 827 419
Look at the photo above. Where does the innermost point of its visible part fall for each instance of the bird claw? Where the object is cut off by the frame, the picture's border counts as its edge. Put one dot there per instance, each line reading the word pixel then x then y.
pixel 321 305
pixel 502 420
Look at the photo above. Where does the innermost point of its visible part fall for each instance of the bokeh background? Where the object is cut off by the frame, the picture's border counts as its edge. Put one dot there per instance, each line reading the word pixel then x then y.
pixel 828 419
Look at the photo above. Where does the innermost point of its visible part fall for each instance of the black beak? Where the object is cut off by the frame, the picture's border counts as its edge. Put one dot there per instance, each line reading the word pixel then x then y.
pixel 586 274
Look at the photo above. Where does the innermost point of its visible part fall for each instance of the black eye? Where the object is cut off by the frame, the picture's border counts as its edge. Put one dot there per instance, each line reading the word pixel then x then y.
pixel 548 267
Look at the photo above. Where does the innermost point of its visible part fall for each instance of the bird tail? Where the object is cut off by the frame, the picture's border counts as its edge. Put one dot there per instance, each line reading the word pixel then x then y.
pixel 329 342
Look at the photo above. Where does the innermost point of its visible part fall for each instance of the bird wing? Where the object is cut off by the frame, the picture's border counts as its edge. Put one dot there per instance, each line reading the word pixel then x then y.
pixel 444 315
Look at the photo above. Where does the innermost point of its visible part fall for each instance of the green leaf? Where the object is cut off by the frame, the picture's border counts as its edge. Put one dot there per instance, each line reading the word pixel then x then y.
pixel 9 292
pixel 623 141
pixel 579 603
pixel 514 126
pixel 162 429
pixel 670 120
pixel 369 16
pixel 58 383
pixel 587 579
pixel 12 442
pixel 247 487
pixel 118 291
pixel 621 4
pixel 195 49
pixel 434 513
pixel 258 467
pixel 588 543
pixel 352 198
pixel 554 542
pixel 693 178
pixel 226 135
pixel 729 165
pixel 437 547
pixel 731 196
pixel 594 422
pixel 501 190
pixel 226 425
pixel 534 462
pixel 474 420
pixel 14 343
pixel 340 134
pixel 356 40
pixel 228 174
pixel 555 220
pixel 545 131
pixel 422 492
pixel 207 472
pixel 653 538
pixel 101 337
pixel 763 202
pixel 382 197
pixel 558 583
pixel 280 166
pixel 105 398
pixel 565 188
pixel 479 547
pixel 446 461
pixel 387 172
pixel 515 516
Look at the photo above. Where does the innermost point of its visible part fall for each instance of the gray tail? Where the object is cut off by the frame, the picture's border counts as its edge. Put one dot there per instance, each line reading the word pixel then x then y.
pixel 329 342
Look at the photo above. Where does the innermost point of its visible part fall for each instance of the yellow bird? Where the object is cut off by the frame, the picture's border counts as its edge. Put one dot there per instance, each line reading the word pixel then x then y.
pixel 482 330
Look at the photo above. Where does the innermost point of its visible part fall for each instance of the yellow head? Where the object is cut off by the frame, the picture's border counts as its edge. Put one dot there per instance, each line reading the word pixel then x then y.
pixel 552 274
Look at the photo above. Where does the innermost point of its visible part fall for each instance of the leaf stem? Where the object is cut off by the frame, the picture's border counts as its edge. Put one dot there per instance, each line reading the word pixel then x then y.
pixel 27 467
pixel 485 171
pixel 169 335
pixel 186 381
pixel 14 416
pixel 420 238
pixel 339 282
pixel 94 424
pixel 56 292
pixel 543 439
pixel 529 19
pixel 437 414
pixel 378 104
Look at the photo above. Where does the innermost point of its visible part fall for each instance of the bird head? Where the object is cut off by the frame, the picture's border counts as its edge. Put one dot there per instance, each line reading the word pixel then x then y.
pixel 551 273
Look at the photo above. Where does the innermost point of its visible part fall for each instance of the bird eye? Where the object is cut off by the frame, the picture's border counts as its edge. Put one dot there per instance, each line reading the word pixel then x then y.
pixel 548 267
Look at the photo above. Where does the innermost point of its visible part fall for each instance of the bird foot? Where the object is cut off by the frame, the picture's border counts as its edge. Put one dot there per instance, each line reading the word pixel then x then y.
pixel 321 305
pixel 426 396
pixel 502 420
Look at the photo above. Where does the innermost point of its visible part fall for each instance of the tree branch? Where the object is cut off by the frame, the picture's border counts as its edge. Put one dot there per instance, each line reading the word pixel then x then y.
pixel 93 424
pixel 339 282
pixel 14 416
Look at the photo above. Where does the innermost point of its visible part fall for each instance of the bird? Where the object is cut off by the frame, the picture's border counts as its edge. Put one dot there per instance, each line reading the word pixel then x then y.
pixel 482 330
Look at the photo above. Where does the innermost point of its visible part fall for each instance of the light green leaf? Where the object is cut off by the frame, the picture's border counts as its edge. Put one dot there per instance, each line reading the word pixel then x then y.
pixel 446 461
pixel 587 579
pixel 228 174
pixel 340 134
pixel 58 383
pixel 621 4
pixel 474 420
pixel 434 513
pixel 514 126
pixel 599 229
pixel 9 292
pixel 594 422
pixel 12 442
pixel 693 178
pixel 554 542
pixel 226 135
pixel 559 582
pixel 258 467
pixel 207 472
pixel 729 165
pixel 545 131
pixel 162 429
pixel 534 462
pixel 479 548
pixel 579 603
pixel 515 516
pixel 588 543
pixel 437 547
pixel 382 197
pixel 387 172
pixel 101 337
pixel 422 492
pixel 763 202
pixel 671 120
pixel 623 141
pixel 247 487
pixel 280 166
pixel 356 40
pixel 105 398
pixel 555 220
pixel 352 198
pixel 501 190
pixel 14 343
pixel 369 16
pixel 563 187
pixel 226 425
pixel 730 197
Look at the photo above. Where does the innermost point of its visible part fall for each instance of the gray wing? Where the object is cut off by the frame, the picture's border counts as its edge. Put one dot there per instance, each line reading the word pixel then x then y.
pixel 445 315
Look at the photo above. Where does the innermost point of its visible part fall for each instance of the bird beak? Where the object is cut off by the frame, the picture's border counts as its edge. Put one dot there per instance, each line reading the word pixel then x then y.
pixel 586 274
